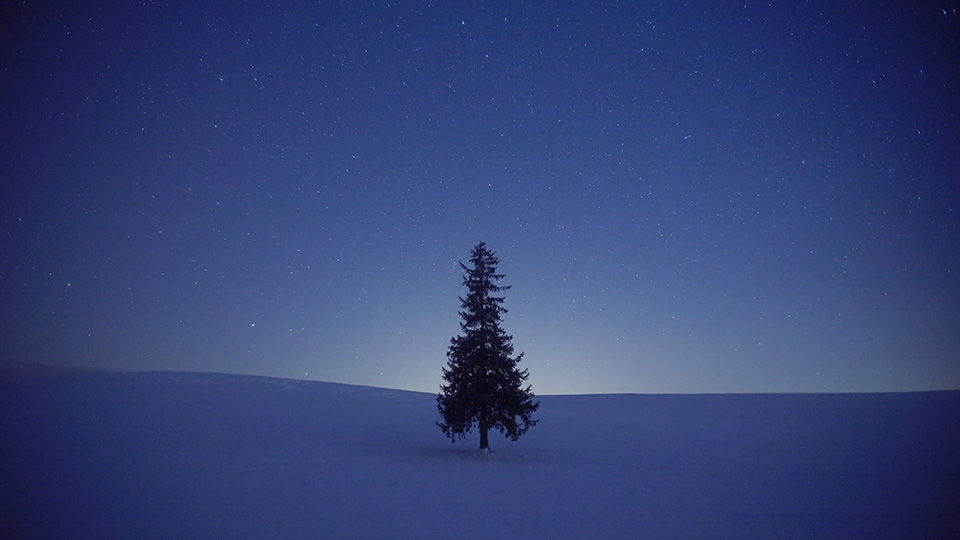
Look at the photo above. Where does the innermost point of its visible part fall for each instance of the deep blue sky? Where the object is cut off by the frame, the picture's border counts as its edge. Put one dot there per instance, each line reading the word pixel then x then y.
pixel 686 197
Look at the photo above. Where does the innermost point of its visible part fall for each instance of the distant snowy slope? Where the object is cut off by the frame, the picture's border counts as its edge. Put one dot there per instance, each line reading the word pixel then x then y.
pixel 188 455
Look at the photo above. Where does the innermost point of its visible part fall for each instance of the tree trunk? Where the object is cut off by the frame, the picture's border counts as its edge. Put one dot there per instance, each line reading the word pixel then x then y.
pixel 484 444
pixel 484 426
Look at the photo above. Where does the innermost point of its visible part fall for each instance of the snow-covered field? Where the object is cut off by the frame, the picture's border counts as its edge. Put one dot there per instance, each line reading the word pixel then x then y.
pixel 188 455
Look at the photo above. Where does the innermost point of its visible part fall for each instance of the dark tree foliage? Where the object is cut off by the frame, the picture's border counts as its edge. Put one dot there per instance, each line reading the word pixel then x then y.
pixel 483 386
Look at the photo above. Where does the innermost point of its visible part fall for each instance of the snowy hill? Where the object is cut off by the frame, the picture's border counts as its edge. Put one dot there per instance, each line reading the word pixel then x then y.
pixel 187 455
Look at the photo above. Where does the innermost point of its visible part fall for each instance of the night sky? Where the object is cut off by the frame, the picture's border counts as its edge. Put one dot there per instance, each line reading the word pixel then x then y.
pixel 685 196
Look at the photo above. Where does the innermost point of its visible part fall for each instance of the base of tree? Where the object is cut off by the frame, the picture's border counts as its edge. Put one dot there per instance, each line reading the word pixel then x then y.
pixel 480 453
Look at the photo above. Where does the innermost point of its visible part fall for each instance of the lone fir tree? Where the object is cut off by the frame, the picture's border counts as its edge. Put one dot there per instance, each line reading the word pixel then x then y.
pixel 483 384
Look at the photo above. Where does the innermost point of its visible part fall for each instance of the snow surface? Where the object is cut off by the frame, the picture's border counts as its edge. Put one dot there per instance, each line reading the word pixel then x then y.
pixel 189 455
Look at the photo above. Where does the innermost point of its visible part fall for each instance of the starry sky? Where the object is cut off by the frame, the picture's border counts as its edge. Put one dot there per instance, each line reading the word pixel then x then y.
pixel 685 196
